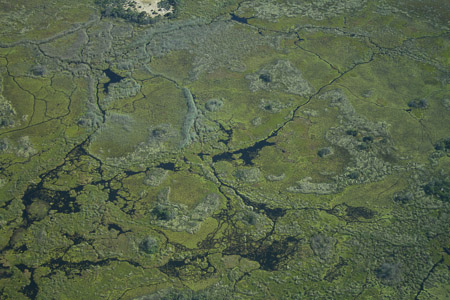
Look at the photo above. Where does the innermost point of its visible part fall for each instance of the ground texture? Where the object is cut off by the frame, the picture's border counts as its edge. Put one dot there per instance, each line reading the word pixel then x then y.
pixel 231 150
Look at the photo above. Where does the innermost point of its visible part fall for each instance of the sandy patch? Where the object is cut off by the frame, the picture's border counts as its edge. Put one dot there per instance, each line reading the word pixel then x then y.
pixel 151 7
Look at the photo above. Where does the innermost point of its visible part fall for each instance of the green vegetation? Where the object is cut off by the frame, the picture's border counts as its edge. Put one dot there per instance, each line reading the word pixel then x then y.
pixel 230 150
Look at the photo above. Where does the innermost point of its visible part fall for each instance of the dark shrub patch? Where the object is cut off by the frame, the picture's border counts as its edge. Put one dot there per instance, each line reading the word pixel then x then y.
pixel 352 132
pixel 360 212
pixel 265 77
pixel 438 188
pixel 443 145
pixel 403 197
pixel 324 152
pixel 163 213
pixel 353 175
pixel 367 139
pixel 418 103
pixel 149 245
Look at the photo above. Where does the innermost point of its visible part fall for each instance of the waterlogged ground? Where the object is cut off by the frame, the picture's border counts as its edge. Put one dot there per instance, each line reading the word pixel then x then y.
pixel 238 150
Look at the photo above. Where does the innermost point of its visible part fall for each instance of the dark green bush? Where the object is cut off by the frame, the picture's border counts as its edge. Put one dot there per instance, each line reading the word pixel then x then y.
pixel 360 212
pixel 324 152
pixel 367 139
pixel 163 213
pixel 352 132
pixel 418 103
pixel 265 77
pixel 443 145
pixel 439 188
pixel 149 245
pixel 38 70
pixel 353 175
pixel 403 197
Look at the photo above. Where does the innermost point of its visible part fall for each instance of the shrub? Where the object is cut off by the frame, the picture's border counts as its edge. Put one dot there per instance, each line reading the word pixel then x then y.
pixel 324 152
pixel 158 132
pixel 439 188
pixel 149 245
pixel 360 212
pixel 352 132
pixel 403 197
pixel 443 145
pixel 322 245
pixel 367 139
pixel 4 145
pixel 6 122
pixel 250 218
pixel 265 77
pixel 353 175
pixel 214 105
pixel 38 70
pixel 155 177
pixel 388 273
pixel 418 103
pixel 163 213
pixel 248 175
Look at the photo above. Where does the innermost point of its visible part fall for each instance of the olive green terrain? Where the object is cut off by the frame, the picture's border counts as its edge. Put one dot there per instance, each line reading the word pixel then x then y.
pixel 251 149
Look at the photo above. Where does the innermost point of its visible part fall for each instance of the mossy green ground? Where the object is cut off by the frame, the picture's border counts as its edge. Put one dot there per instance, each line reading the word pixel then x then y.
pixel 302 167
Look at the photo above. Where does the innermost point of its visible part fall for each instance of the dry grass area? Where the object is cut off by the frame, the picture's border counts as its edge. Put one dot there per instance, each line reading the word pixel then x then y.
pixel 151 7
